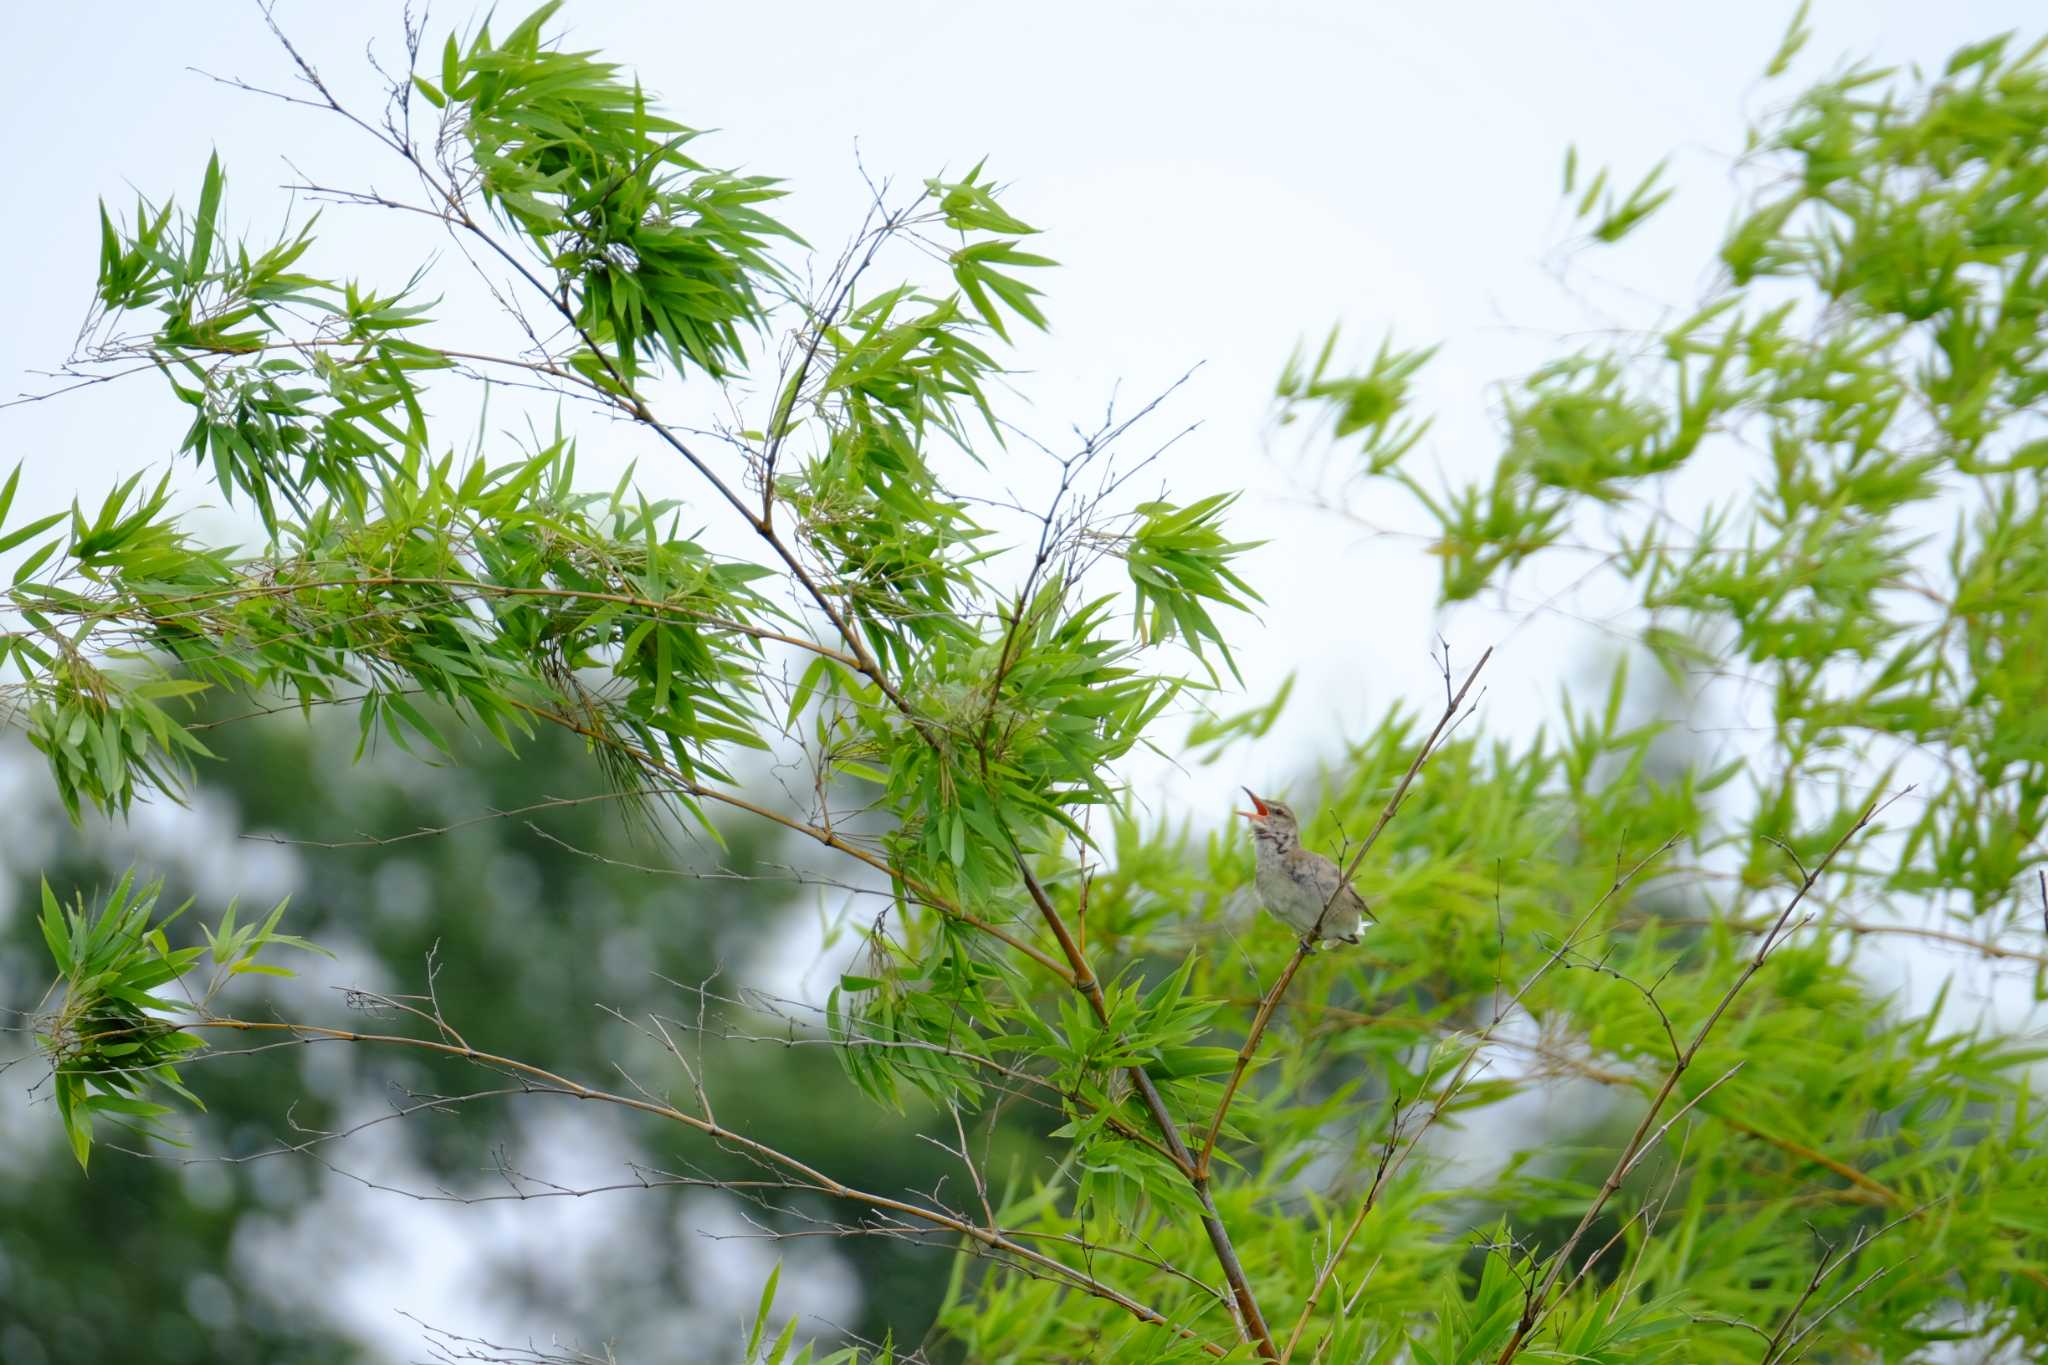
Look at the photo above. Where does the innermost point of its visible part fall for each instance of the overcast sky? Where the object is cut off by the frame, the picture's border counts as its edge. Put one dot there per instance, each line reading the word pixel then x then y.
pixel 1218 179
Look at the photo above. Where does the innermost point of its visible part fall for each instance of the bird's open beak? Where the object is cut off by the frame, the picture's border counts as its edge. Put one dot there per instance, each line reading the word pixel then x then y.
pixel 1258 806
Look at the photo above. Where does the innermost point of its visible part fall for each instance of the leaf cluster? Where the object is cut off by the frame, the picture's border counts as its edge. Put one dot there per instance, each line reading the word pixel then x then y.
pixel 657 256
pixel 106 1034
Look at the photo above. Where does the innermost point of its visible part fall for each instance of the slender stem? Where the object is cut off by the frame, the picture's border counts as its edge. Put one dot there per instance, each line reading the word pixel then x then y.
pixel 922 894
pixel 1250 1049
pixel 1253 1322
pixel 1537 1302
pixel 1393 1154
pixel 993 1238
pixel 1365 1207
pixel 791 388
pixel 1245 1054
pixel 1443 724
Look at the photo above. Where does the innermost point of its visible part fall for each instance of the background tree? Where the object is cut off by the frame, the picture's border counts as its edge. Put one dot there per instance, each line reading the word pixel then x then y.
pixel 1793 1160
pixel 228 1254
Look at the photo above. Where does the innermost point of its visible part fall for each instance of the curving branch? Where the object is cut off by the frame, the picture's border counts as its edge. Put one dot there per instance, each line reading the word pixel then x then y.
pixel 1393 1154
pixel 1452 707
pixel 540 1080
pixel 1537 1301
pixel 1252 1321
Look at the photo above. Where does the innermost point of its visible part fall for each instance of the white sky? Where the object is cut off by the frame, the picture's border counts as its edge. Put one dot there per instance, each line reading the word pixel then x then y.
pixel 1218 179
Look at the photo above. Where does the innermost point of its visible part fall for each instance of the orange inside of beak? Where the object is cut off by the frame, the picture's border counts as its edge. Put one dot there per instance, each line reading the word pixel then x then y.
pixel 1259 811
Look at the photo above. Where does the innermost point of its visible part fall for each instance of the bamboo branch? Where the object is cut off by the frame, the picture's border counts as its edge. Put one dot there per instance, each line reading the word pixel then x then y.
pixel 543 1080
pixel 1253 1322
pixel 1389 1161
pixel 1537 1302
pixel 1452 705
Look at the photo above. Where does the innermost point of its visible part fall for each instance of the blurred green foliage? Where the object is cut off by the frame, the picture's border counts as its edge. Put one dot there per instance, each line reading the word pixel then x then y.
pixel 538 923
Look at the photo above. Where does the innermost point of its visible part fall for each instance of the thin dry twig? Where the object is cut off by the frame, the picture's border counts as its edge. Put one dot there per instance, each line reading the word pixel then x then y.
pixel 538 1079
pixel 1252 1322
pixel 1245 1054
pixel 1393 1155
pixel 1537 1303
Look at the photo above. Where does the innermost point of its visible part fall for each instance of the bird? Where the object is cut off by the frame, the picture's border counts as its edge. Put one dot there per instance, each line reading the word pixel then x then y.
pixel 1303 890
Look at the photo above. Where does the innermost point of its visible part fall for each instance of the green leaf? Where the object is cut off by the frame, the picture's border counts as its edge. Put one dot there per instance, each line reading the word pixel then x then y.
pixel 1789 47
pixel 55 933
pixel 32 529
pixel 761 1312
pixel 203 220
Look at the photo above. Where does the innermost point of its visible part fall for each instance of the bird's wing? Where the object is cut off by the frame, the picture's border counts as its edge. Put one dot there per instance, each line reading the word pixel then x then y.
pixel 1326 880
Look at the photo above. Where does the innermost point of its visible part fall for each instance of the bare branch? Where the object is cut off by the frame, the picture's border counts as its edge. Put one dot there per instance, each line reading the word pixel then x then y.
pixel 1538 1303
pixel 537 1079
pixel 1252 1321
pixel 1452 704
